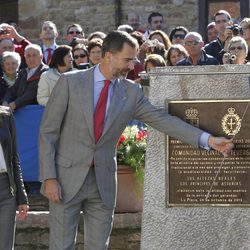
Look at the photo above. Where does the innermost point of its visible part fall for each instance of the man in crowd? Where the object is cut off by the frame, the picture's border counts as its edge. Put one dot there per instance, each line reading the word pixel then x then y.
pixel 24 91
pixel 74 30
pixel 84 117
pixel 133 20
pixel 155 21
pixel 222 20
pixel 212 32
pixel 48 37
pixel 193 43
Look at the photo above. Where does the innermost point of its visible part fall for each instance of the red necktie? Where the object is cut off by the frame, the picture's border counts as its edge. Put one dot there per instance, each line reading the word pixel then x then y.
pixel 100 111
pixel 49 50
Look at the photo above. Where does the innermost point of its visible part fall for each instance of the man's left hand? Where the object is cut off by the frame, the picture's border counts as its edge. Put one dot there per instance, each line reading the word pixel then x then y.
pixel 221 144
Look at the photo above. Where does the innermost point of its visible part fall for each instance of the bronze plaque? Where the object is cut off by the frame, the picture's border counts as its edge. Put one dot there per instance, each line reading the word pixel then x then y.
pixel 191 171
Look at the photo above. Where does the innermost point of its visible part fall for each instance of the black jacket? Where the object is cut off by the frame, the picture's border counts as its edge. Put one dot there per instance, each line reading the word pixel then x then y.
pixel 204 60
pixel 24 91
pixel 8 142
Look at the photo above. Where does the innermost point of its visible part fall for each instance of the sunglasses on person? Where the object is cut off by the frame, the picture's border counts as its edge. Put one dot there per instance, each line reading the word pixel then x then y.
pixel 190 43
pixel 180 36
pixel 80 56
pixel 74 32
pixel 238 48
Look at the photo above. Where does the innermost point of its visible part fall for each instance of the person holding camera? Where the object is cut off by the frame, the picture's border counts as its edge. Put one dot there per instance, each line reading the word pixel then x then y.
pixel 81 57
pixel 236 52
pixel 222 20
pixel 11 40
pixel 61 62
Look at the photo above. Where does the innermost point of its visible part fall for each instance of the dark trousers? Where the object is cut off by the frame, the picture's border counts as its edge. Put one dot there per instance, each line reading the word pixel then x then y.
pixel 7 214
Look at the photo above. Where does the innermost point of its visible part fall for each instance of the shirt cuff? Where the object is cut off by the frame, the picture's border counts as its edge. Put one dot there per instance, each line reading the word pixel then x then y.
pixel 203 141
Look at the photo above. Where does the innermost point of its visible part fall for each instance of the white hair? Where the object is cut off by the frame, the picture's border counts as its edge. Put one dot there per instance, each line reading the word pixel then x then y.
pixel 35 47
pixel 238 39
pixel 14 55
pixel 195 34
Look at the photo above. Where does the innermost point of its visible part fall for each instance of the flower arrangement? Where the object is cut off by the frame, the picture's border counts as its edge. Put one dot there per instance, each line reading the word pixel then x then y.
pixel 131 149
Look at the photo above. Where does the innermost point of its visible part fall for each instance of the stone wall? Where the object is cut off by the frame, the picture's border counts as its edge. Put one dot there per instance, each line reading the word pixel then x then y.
pixel 33 233
pixel 96 15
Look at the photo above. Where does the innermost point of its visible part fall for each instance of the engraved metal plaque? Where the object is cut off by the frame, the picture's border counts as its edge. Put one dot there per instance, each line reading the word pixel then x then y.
pixel 191 171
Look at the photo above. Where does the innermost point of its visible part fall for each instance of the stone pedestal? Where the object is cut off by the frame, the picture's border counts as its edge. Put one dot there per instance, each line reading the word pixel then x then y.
pixel 179 228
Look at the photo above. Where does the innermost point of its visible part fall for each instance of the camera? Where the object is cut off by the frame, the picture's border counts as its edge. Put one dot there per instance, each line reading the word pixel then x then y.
pixel 229 58
pixel 3 31
pixel 83 66
pixel 236 29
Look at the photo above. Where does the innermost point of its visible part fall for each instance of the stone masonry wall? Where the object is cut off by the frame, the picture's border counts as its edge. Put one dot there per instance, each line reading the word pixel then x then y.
pixel 96 15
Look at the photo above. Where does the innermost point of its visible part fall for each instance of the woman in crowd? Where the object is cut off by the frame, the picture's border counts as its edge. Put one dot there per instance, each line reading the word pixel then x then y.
pixel 95 51
pixel 97 34
pixel 236 51
pixel 178 34
pixel 158 43
pixel 81 57
pixel 12 191
pixel 245 25
pixel 176 53
pixel 61 62
pixel 161 37
pixel 10 65
pixel 153 61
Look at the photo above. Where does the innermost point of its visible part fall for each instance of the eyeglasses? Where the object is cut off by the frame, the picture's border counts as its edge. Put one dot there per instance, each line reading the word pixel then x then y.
pixel 181 36
pixel 190 43
pixel 74 32
pixel 221 21
pixel 80 56
pixel 238 48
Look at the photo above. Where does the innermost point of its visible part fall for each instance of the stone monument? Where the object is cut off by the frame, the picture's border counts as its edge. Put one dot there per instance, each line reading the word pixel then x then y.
pixel 175 224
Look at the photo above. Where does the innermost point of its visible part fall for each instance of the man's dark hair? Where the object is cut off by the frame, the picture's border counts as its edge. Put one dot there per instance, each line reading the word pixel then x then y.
pixel 75 25
pixel 175 29
pixel 115 40
pixel 58 56
pixel 153 14
pixel 222 12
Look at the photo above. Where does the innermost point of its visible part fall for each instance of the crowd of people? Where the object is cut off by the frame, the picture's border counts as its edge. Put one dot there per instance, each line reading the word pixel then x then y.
pixel 22 63
pixel 34 74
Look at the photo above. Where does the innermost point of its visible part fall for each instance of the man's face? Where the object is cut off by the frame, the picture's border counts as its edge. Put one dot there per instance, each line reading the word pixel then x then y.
pixel 122 62
pixel 133 21
pixel 156 23
pixel 48 32
pixel 74 32
pixel 212 34
pixel 6 45
pixel 246 30
pixel 193 45
pixel 221 22
pixel 33 58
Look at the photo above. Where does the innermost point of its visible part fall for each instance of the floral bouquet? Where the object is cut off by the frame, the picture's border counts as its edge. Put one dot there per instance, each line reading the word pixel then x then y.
pixel 131 149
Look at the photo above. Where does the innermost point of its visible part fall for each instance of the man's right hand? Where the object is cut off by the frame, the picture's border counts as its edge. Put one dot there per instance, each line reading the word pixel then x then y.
pixel 53 190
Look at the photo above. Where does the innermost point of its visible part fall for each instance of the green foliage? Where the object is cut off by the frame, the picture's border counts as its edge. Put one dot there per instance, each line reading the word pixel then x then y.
pixel 131 149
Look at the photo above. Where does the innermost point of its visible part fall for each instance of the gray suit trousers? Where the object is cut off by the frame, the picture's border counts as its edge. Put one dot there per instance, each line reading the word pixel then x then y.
pixel 7 214
pixel 98 219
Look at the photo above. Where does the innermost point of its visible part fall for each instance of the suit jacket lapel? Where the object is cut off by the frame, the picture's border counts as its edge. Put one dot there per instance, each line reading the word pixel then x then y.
pixel 117 103
pixel 85 92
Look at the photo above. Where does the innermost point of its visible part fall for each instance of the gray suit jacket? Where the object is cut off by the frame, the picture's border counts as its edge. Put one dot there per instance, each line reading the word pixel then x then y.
pixel 67 145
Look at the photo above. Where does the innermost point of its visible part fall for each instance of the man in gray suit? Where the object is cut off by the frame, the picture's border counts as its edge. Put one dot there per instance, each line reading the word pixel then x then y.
pixel 78 155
